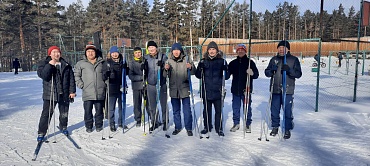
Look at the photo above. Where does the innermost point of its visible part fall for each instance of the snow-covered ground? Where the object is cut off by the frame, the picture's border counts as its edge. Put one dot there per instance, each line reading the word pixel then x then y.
pixel 338 134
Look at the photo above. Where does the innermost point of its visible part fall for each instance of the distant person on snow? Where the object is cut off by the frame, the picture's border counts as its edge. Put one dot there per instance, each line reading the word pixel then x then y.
pixel 58 88
pixel 275 70
pixel 340 57
pixel 16 65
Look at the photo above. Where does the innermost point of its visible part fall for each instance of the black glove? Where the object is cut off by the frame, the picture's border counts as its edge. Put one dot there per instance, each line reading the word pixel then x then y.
pixel 112 74
pixel 285 68
pixel 144 66
pixel 159 63
pixel 107 73
pixel 274 68
pixel 224 67
pixel 124 66
pixel 71 100
pixel 201 65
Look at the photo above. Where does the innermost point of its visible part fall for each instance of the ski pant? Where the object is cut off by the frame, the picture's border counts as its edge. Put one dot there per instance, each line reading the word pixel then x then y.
pixel 236 104
pixel 112 108
pixel 45 118
pixel 152 102
pixel 137 99
pixel 99 115
pixel 188 118
pixel 16 70
pixel 276 103
pixel 207 114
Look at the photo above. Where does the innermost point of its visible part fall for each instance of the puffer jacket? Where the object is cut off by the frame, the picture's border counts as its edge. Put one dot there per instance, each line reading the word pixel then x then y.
pixel 66 79
pixel 89 78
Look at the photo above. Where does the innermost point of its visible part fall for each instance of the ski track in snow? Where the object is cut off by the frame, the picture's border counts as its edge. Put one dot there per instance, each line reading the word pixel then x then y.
pixel 337 135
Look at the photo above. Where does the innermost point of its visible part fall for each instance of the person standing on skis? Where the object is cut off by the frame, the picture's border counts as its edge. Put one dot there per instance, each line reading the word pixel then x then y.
pixel 59 87
pixel 240 68
pixel 211 71
pixel 112 70
pixel 275 70
pixel 176 68
pixel 155 61
pixel 137 83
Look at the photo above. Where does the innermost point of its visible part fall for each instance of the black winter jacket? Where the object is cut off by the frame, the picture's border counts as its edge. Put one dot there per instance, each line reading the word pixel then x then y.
pixel 113 71
pixel 294 73
pixel 66 79
pixel 212 74
pixel 238 69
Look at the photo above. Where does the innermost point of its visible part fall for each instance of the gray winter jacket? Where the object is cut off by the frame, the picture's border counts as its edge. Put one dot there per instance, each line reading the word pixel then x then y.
pixel 89 78
pixel 153 68
pixel 136 74
pixel 178 76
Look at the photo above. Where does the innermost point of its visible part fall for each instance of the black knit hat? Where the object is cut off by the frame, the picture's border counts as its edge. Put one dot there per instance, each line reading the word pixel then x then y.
pixel 152 43
pixel 284 43
pixel 212 44
pixel 137 49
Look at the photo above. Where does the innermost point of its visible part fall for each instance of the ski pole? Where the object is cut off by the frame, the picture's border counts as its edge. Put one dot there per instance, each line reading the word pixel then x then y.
pixel 205 103
pixel 267 113
pixel 50 106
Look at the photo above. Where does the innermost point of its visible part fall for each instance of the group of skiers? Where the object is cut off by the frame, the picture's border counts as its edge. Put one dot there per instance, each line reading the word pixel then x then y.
pixel 156 76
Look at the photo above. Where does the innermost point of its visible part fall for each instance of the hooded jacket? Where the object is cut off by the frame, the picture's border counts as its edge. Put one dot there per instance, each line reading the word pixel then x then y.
pixel 115 75
pixel 66 79
pixel 89 78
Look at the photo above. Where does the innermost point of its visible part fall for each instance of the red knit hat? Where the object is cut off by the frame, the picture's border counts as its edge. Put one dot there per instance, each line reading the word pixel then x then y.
pixel 52 48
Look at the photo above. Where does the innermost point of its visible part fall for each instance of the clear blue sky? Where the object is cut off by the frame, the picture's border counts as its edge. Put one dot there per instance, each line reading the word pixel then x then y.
pixel 262 5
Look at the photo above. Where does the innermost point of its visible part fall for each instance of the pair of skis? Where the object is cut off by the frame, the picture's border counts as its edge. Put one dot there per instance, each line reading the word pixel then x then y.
pixel 40 143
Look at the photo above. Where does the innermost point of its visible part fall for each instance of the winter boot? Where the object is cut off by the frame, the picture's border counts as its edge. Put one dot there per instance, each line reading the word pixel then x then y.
pixel 64 130
pixel 221 133
pixel 89 130
pixel 248 129
pixel 98 129
pixel 113 128
pixel 189 132
pixel 120 126
pixel 274 131
pixel 235 127
pixel 287 134
pixel 40 137
pixel 138 123
pixel 204 131
pixel 176 131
